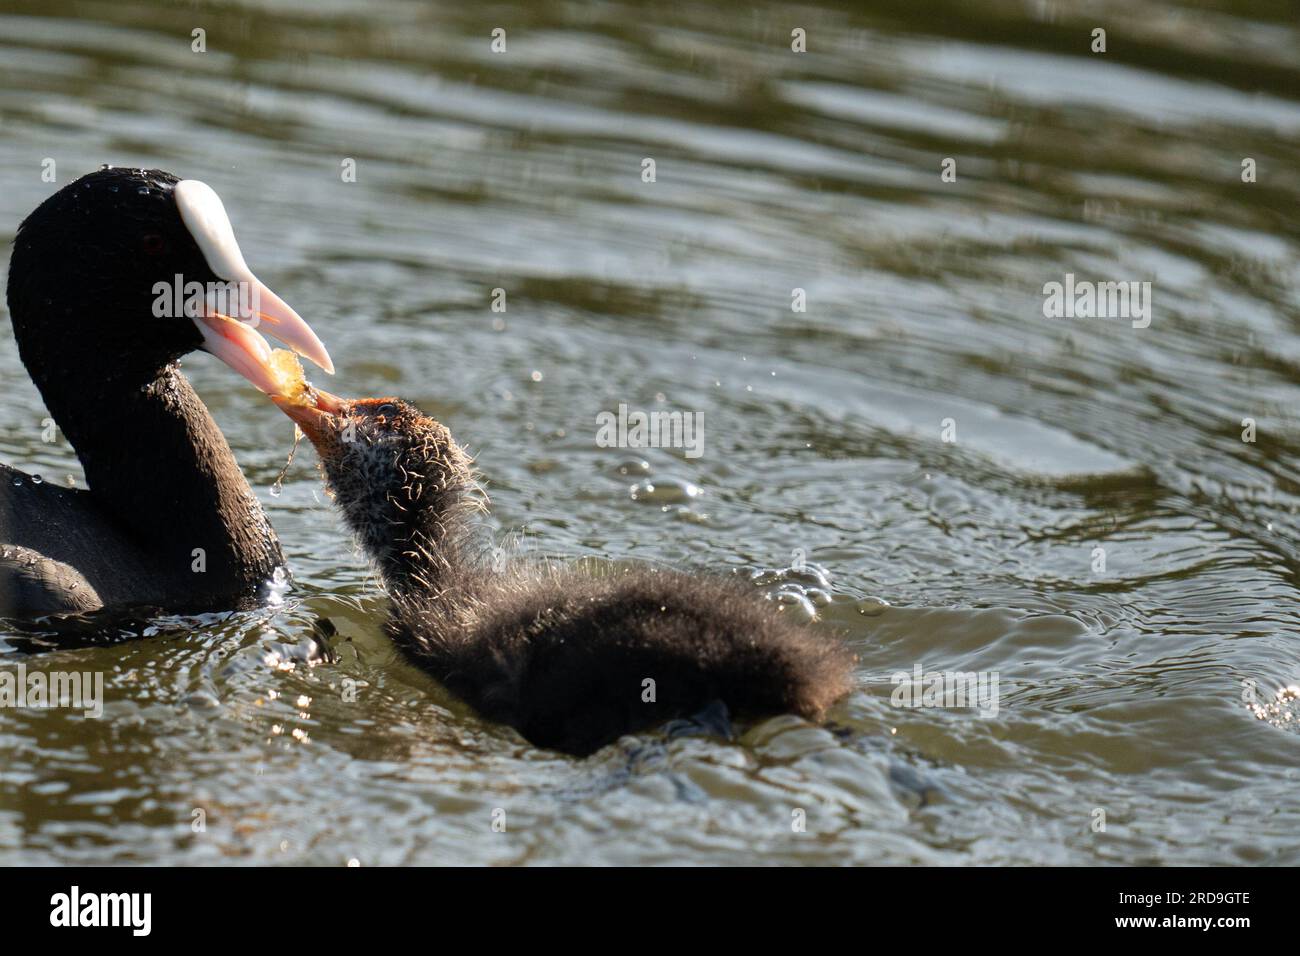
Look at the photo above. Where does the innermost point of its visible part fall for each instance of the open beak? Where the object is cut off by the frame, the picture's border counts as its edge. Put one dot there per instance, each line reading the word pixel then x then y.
pixel 315 420
pixel 235 338
pixel 239 344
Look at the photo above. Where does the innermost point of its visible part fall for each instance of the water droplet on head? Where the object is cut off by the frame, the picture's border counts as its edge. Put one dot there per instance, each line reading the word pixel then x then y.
pixel 37 479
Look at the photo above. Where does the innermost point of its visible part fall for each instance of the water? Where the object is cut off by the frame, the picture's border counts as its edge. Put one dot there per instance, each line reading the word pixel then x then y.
pixel 1124 690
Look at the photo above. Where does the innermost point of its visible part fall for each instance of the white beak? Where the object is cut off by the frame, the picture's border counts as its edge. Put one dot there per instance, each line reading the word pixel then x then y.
pixel 234 338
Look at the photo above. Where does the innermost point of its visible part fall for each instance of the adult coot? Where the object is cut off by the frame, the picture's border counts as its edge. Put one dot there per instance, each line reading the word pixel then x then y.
pixel 168 519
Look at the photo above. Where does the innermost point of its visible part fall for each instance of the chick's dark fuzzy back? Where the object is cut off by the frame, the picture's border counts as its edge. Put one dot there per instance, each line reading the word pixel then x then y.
pixel 573 661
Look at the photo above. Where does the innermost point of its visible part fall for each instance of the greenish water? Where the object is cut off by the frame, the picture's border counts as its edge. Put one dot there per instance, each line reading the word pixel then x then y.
pixel 1123 690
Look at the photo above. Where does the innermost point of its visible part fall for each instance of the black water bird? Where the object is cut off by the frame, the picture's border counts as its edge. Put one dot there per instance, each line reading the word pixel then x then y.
pixel 167 520
pixel 571 659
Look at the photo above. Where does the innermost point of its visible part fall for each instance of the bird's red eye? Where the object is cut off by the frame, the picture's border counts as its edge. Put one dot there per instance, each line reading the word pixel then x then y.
pixel 154 244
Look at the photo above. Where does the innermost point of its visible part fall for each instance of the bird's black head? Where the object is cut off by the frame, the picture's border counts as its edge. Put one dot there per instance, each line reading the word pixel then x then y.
pixel 124 270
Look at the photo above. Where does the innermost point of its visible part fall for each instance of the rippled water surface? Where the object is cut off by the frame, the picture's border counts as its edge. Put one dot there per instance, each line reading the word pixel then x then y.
pixel 1124 688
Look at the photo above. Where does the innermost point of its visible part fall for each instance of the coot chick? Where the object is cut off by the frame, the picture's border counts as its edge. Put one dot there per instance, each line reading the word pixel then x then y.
pixel 168 520
pixel 570 660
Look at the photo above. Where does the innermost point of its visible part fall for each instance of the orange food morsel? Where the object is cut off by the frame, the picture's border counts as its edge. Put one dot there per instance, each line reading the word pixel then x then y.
pixel 288 372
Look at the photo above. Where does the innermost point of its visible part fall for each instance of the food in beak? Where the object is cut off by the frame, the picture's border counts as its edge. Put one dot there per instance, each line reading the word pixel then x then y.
pixel 290 381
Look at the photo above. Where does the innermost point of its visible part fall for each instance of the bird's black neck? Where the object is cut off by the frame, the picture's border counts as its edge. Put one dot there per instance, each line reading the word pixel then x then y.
pixel 160 468
pixel 421 532
pixel 426 555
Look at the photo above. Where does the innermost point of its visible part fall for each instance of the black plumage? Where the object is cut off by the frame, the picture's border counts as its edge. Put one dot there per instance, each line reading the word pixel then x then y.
pixel 168 519
pixel 570 658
